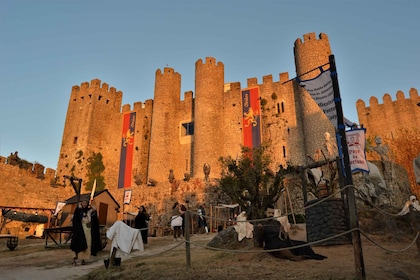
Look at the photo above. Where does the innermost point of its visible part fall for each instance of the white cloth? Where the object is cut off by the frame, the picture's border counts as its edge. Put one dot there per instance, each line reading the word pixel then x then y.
pixel 406 209
pixel 176 221
pixel 244 229
pixel 124 238
pixel 284 220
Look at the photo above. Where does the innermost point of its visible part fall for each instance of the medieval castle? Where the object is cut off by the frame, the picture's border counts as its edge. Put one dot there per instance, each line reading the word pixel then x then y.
pixel 173 139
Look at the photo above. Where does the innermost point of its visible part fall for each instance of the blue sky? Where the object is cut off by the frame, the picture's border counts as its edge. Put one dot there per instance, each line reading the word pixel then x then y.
pixel 46 47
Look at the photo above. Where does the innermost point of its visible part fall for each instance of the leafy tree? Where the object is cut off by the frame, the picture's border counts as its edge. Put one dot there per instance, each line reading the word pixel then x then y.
pixel 249 181
pixel 95 167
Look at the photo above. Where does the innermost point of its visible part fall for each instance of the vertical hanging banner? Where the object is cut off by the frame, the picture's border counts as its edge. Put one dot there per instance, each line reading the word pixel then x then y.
pixel 356 147
pixel 127 196
pixel 127 148
pixel 251 117
pixel 321 90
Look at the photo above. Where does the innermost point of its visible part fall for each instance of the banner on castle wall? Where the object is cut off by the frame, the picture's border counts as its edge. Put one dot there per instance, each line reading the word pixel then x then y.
pixel 127 148
pixel 321 90
pixel 251 117
pixel 356 140
pixel 127 196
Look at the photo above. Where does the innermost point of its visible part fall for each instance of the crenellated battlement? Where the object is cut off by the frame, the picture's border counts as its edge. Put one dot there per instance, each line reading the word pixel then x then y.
pixel 209 61
pixel 310 37
pixel 267 80
pixel 387 99
pixel 389 118
pixel 94 86
pixel 188 95
pixel 167 71
pixel 284 77
pixel 251 82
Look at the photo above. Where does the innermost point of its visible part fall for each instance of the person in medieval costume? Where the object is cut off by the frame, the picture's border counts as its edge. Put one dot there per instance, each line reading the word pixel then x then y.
pixel 202 222
pixel 272 235
pixel 141 222
pixel 85 241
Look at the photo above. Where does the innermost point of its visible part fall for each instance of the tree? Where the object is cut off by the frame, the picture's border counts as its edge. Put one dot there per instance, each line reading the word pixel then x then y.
pixel 95 167
pixel 249 181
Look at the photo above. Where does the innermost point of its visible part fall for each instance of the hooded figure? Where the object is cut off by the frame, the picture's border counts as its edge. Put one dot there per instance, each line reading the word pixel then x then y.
pixel 86 237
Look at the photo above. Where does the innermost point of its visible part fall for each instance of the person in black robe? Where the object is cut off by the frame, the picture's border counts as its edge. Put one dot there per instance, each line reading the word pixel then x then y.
pixel 85 241
pixel 271 234
pixel 142 222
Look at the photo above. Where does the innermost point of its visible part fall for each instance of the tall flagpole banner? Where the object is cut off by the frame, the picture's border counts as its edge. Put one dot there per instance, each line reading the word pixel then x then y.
pixel 126 156
pixel 348 179
pixel 356 147
pixel 251 117
pixel 321 90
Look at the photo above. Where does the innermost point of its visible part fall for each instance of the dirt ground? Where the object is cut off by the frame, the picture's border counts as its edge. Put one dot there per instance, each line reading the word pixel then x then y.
pixel 160 260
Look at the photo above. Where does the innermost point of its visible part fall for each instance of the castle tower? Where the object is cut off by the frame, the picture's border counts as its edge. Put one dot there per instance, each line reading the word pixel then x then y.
pixel 92 115
pixel 309 55
pixel 164 141
pixel 142 141
pixel 208 120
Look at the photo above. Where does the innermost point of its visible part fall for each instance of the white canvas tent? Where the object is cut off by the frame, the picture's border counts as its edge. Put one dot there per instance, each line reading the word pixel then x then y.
pixel 221 214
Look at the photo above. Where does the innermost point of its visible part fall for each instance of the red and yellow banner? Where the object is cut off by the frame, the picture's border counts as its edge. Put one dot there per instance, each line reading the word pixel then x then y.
pixel 127 148
pixel 251 117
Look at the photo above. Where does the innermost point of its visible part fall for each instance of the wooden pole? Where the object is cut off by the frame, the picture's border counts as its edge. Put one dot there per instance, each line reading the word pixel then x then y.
pixel 187 239
pixel 291 205
pixel 348 179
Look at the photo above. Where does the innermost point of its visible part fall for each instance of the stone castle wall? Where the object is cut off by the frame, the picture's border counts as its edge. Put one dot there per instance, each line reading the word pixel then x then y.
pixel 292 124
pixel 391 118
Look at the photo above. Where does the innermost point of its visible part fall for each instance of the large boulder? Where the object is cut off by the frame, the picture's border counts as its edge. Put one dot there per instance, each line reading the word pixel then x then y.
pixel 228 239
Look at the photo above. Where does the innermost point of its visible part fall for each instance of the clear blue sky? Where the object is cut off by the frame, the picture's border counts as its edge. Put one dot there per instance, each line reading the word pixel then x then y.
pixel 46 47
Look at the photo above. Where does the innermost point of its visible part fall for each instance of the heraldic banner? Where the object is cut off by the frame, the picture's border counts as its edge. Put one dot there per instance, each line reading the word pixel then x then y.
pixel 251 117
pixel 127 148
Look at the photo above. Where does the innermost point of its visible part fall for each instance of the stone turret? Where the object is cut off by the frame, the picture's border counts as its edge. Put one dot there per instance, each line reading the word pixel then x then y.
pixel 208 116
pixel 90 125
pixel 309 55
pixel 164 143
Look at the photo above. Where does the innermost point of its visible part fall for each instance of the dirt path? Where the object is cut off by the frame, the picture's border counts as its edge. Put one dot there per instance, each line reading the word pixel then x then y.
pixel 31 260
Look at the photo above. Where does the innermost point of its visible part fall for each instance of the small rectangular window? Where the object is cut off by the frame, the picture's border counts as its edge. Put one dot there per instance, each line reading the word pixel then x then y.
pixel 75 140
pixel 187 129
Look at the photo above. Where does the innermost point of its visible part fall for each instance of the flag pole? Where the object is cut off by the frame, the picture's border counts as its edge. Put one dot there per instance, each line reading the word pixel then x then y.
pixel 348 179
pixel 92 193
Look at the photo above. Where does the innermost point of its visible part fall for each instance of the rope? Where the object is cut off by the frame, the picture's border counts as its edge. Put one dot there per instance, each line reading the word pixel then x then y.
pixel 164 251
pixel 390 250
pixel 311 243
pixel 362 197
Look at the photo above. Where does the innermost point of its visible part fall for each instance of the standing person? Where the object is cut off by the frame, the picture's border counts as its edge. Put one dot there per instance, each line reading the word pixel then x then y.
pixel 86 237
pixel 202 223
pixel 142 222
pixel 182 210
pixel 176 221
